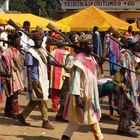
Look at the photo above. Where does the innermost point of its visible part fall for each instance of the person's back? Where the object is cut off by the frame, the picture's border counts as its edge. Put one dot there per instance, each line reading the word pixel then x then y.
pixel 97 43
pixel 56 79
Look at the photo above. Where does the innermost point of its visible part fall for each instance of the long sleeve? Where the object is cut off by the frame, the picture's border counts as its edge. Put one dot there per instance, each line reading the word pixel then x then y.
pixel 75 82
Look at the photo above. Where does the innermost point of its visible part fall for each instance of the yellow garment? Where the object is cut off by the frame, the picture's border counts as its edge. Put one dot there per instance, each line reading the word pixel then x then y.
pixel 96 131
pixel 73 126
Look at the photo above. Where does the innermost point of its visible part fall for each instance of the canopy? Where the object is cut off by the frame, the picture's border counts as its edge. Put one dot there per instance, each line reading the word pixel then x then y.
pixel 34 20
pixel 135 28
pixel 92 16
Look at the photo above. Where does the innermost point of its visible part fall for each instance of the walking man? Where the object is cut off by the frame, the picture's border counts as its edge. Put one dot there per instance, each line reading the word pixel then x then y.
pixel 36 62
pixel 82 104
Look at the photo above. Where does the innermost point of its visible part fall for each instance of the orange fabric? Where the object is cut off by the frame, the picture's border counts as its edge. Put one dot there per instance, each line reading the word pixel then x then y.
pixel 127 35
pixel 55 35
pixel 55 93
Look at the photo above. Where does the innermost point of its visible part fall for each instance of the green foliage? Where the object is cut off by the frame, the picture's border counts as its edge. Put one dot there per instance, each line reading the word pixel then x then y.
pixel 19 5
pixel 53 6
pixel 45 8
pixel 2 1
pixel 37 7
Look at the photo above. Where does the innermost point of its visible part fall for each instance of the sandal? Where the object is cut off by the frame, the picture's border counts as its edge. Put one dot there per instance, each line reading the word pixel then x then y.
pixel 47 125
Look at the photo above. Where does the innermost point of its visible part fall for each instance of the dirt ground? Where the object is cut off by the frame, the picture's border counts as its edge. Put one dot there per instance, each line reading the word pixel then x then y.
pixel 12 130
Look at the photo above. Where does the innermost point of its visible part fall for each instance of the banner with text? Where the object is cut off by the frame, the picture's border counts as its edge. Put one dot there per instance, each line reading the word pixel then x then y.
pixel 102 4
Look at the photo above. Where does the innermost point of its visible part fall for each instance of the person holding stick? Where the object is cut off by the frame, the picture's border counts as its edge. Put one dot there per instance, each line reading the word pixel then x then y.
pixel 56 78
pixel 82 103
pixel 125 93
pixel 13 62
pixel 36 61
pixel 63 93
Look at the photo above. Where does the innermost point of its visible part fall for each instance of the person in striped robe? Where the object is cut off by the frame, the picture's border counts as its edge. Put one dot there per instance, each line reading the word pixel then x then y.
pixel 14 85
pixel 56 77
pixel 82 103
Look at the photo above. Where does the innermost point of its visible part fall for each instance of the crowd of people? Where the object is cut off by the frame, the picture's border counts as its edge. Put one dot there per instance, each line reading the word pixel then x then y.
pixel 72 75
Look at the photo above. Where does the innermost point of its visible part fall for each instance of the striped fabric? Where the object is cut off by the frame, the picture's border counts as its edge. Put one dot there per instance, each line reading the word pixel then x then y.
pixel 56 80
pixel 15 83
pixel 83 82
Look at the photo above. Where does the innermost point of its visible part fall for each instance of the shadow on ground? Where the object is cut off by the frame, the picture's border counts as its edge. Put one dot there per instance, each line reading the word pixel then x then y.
pixel 86 129
pixel 24 137
pixel 109 119
pixel 7 121
pixel 109 131
pixel 37 137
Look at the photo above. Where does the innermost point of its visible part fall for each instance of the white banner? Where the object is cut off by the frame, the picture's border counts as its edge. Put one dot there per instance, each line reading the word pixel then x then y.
pixel 102 4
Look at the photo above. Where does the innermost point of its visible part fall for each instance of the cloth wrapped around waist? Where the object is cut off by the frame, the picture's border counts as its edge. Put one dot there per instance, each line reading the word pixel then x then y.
pixel 105 89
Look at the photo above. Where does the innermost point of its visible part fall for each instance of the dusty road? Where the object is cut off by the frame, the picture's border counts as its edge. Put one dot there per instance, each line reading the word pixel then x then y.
pixel 11 130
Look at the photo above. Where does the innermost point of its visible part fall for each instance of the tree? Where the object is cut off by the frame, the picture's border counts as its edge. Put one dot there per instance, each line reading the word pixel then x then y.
pixel 45 8
pixel 53 6
pixel 37 7
pixel 19 5
pixel 2 2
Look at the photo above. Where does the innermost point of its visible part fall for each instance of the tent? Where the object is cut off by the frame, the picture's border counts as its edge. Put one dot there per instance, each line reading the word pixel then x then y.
pixel 135 28
pixel 34 20
pixel 92 16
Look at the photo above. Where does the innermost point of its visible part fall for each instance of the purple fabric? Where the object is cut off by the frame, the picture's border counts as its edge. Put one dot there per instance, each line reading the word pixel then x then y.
pixel 31 61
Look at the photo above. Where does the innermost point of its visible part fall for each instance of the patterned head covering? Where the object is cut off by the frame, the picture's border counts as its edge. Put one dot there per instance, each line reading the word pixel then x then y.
pixel 85 38
pixel 37 35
